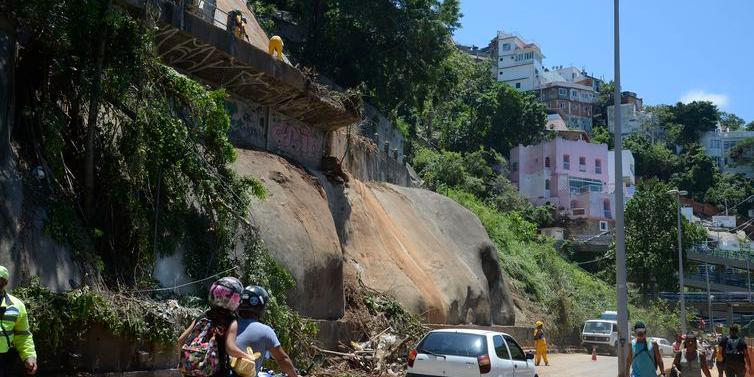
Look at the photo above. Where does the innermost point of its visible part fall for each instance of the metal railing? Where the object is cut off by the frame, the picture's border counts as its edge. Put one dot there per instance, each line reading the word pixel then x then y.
pixel 742 255
pixel 717 297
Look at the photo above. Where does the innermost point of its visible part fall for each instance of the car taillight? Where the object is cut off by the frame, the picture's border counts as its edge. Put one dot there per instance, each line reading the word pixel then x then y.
pixel 485 365
pixel 411 358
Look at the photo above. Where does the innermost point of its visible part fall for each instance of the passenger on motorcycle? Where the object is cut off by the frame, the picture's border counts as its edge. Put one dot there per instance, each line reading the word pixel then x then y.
pixel 260 337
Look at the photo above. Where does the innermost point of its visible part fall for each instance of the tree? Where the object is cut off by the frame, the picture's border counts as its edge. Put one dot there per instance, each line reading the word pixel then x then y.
pixel 474 110
pixel 604 99
pixel 390 45
pixel 750 126
pixel 696 173
pixel 601 135
pixel 652 159
pixel 731 121
pixel 686 122
pixel 729 190
pixel 743 152
pixel 651 237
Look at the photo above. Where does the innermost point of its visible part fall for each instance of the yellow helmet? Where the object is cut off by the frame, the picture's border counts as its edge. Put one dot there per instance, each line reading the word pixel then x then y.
pixel 539 324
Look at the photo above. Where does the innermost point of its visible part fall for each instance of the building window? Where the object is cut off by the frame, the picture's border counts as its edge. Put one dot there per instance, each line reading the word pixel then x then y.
pixel 514 166
pixel 566 162
pixel 581 185
pixel 603 226
pixel 606 209
pixel 562 105
pixel 574 93
pixel 547 184
pixel 563 91
pixel 547 162
pixel 582 163
pixel 715 144
pixel 518 85
pixel 598 166
pixel 506 46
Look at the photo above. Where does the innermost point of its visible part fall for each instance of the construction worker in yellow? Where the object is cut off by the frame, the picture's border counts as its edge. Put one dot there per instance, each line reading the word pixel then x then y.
pixel 540 343
pixel 15 337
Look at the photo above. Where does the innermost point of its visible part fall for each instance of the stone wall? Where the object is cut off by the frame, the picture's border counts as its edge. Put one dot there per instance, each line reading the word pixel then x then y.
pixel 259 127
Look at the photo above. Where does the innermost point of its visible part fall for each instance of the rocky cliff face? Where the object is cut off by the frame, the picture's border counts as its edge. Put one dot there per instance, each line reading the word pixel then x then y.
pixel 430 252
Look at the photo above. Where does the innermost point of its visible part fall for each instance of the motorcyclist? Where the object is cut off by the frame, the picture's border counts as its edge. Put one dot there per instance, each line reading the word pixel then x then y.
pixel 255 334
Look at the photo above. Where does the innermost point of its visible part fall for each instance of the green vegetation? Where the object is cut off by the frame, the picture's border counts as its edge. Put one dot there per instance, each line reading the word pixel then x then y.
pixel 651 254
pixel 65 318
pixel 163 180
pixel 566 293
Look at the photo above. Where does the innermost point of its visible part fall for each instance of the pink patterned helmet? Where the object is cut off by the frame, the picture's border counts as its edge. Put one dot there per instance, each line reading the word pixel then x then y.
pixel 226 293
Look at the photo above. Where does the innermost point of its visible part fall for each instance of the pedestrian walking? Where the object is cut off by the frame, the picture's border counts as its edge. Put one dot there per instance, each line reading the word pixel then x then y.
pixel 719 356
pixel 735 353
pixel 643 356
pixel 16 341
pixel 691 361
pixel 540 344
pixel 677 344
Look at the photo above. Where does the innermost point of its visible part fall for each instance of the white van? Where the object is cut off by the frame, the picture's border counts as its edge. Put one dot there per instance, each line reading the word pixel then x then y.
pixel 602 334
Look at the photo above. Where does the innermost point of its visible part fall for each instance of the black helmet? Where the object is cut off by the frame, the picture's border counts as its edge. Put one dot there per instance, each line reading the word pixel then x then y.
pixel 254 299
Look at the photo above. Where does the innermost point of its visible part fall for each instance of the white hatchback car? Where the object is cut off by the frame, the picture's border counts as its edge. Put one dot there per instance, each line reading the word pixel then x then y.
pixel 469 353
pixel 666 348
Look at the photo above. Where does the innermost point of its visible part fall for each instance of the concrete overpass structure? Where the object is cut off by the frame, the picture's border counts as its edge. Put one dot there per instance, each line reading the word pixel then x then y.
pixel 196 41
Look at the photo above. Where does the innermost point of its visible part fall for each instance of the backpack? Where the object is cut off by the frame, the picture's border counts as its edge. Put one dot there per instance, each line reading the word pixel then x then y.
pixel 734 351
pixel 200 354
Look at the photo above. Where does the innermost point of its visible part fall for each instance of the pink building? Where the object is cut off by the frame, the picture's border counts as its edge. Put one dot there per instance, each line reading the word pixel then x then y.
pixel 569 173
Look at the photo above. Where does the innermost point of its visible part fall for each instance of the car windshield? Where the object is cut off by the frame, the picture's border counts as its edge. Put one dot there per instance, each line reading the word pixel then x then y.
pixel 454 344
pixel 598 327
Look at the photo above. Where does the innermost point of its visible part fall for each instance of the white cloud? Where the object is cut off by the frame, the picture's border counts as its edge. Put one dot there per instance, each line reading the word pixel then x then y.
pixel 719 99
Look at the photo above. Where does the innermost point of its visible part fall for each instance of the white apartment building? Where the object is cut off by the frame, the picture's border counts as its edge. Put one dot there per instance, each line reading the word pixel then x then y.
pixel 634 120
pixel 516 62
pixel 718 144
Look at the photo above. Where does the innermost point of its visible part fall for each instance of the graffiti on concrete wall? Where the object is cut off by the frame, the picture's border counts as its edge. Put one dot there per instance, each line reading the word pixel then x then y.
pixel 296 139
pixel 247 124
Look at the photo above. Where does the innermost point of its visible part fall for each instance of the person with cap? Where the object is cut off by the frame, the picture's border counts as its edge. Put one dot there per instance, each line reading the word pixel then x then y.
pixel 15 337
pixel 643 356
pixel 255 334
pixel 735 353
pixel 691 361
pixel 540 343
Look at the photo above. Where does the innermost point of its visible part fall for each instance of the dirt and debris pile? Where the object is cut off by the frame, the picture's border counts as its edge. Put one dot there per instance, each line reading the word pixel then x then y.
pixel 384 332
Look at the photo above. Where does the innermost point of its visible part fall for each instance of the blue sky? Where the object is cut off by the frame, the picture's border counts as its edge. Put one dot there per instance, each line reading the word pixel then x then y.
pixel 671 50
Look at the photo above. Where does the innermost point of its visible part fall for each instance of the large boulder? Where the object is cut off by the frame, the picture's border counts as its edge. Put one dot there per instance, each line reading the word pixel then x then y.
pixel 296 225
pixel 431 253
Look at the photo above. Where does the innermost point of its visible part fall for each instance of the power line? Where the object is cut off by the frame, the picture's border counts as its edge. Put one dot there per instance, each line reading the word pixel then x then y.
pixel 185 284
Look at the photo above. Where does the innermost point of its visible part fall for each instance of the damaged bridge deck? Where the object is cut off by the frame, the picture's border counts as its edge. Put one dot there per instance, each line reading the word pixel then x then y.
pixel 191 43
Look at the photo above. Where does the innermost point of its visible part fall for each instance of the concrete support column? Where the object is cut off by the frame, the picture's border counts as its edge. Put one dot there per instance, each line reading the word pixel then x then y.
pixel 7 74
pixel 730 315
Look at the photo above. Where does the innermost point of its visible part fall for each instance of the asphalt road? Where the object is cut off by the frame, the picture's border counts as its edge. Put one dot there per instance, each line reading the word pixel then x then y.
pixel 581 364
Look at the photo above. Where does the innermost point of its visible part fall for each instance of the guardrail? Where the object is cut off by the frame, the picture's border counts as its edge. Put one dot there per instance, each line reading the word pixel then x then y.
pixel 717 297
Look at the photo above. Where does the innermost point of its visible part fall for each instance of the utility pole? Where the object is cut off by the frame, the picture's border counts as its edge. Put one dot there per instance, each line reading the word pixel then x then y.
pixel 681 283
pixel 620 230
pixel 709 300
